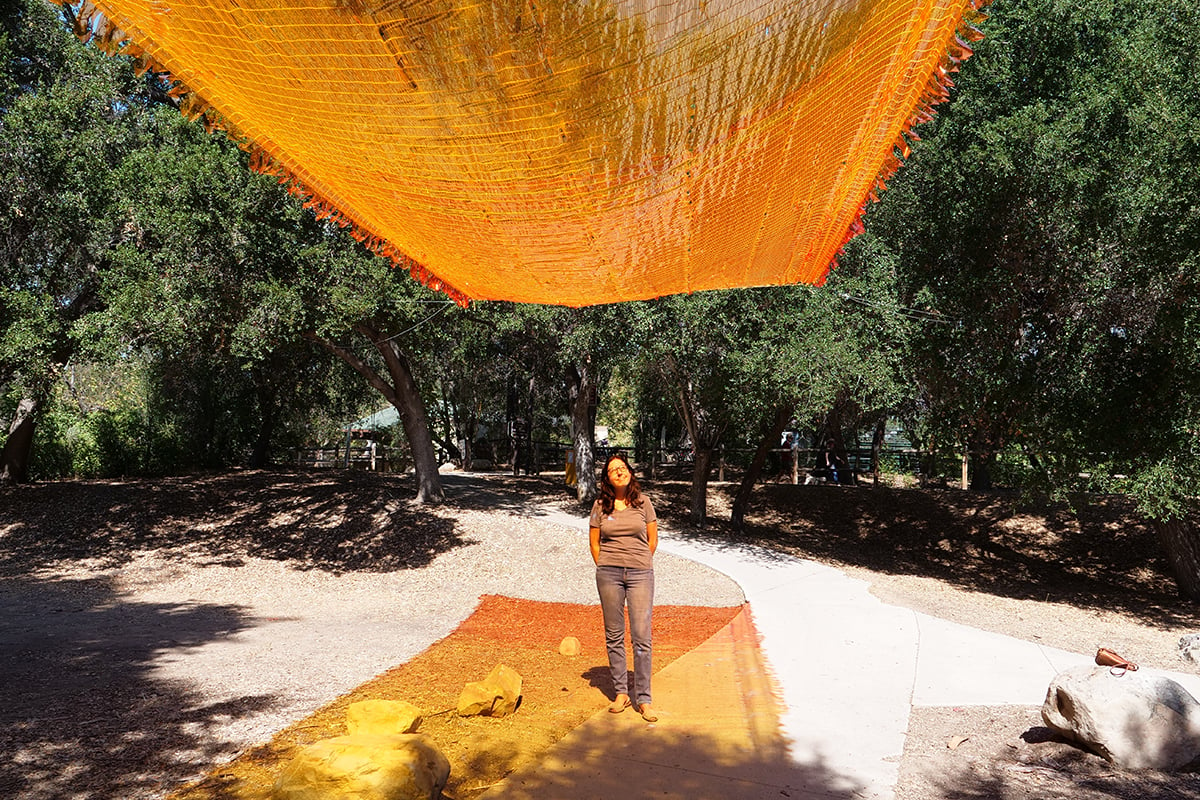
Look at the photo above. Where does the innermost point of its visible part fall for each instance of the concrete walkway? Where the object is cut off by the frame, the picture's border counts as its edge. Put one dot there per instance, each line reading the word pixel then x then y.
pixel 844 668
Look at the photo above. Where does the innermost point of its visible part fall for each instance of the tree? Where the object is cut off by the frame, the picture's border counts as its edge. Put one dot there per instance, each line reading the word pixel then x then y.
pixel 221 275
pixel 697 352
pixel 68 116
pixel 347 295
pixel 831 356
pixel 1050 212
pixel 575 349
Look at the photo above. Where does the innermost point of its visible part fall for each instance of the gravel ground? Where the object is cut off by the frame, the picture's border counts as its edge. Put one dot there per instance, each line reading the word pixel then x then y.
pixel 172 660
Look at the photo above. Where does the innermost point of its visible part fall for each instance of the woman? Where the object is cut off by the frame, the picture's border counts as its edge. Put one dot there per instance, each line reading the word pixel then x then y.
pixel 623 533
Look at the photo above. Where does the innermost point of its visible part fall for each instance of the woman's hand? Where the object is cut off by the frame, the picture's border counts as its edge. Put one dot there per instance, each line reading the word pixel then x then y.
pixel 594 543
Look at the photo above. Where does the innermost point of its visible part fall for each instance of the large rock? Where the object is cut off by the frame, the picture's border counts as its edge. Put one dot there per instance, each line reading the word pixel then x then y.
pixel 1134 720
pixel 365 767
pixel 496 695
pixel 382 716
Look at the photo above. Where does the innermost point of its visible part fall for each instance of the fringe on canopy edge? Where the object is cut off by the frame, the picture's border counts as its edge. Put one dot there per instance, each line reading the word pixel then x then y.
pixel 93 24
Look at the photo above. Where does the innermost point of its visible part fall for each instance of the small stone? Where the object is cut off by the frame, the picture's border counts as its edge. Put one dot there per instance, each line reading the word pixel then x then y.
pixel 1133 720
pixel 365 767
pixel 569 647
pixel 496 695
pixel 382 716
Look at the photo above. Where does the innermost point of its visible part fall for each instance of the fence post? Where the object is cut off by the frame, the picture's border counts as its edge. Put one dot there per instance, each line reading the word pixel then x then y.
pixel 721 465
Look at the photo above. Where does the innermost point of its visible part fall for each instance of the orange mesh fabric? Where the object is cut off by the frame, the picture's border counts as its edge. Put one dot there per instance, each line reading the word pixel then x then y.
pixel 566 151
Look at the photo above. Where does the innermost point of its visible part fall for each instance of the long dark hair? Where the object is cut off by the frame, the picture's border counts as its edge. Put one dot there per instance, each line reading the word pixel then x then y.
pixel 608 492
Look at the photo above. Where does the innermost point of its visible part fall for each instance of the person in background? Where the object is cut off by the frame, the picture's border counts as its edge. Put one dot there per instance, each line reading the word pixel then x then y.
pixel 832 464
pixel 623 535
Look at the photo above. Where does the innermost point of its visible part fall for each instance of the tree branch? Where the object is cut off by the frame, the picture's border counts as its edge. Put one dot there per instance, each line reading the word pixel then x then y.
pixel 360 366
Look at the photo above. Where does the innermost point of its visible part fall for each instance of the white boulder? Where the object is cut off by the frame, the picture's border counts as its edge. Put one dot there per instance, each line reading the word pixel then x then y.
pixel 1134 720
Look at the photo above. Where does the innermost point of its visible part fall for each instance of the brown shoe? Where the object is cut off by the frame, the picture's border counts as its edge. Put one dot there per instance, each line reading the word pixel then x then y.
pixel 647 713
pixel 619 704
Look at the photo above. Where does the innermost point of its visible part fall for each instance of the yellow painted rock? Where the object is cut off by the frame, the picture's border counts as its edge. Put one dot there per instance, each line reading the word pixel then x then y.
pixel 365 767
pixel 382 716
pixel 496 695
pixel 570 646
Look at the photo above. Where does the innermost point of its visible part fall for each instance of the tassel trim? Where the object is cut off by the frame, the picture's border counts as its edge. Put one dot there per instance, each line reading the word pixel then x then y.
pixel 936 91
pixel 92 24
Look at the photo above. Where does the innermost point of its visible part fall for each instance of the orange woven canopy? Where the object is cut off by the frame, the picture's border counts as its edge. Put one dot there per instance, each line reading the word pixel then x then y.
pixel 566 151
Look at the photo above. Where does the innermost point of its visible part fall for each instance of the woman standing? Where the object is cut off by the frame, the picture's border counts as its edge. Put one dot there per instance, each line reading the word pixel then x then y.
pixel 623 533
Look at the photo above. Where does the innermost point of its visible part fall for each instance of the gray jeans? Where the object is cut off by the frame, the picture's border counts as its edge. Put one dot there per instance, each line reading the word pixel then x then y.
pixel 618 587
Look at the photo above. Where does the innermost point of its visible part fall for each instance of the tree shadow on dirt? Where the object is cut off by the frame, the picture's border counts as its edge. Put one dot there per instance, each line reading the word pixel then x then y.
pixel 497 491
pixel 1005 753
pixel 335 520
pixel 84 714
pixel 1100 555
pixel 1020 782
pixel 1061 772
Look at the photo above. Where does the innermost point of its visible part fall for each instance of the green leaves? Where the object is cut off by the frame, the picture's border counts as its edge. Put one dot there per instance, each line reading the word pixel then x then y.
pixel 1051 210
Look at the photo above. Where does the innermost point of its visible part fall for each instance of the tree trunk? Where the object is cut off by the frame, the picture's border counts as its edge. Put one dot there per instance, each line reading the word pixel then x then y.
pixel 534 452
pixel 260 456
pixel 450 430
pixel 1181 542
pixel 783 413
pixel 928 459
pixel 877 448
pixel 401 393
pixel 413 416
pixel 582 387
pixel 14 459
pixel 700 470
pixel 981 462
pixel 705 436
pixel 1035 462
pixel 452 451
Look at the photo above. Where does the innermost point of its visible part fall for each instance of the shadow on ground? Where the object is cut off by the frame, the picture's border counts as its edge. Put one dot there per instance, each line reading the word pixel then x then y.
pixel 1101 555
pixel 334 520
pixel 83 714
pixel 1005 753
pixel 619 759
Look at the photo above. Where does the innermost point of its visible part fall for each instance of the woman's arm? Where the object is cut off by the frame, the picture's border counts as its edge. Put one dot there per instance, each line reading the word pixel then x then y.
pixel 651 535
pixel 594 543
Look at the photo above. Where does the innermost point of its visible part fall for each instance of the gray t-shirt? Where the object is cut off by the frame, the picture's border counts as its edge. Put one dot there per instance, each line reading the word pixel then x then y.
pixel 623 538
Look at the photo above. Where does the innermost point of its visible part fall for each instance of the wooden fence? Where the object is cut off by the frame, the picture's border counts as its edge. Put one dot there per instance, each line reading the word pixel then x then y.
pixel 370 456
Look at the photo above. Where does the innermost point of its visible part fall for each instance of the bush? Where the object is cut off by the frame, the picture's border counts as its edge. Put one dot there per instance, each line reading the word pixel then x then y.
pixel 119 438
pixel 102 444
pixel 53 455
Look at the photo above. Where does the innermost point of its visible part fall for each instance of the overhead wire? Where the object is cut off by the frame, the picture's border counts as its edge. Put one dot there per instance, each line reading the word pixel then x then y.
pixel 444 305
pixel 914 314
